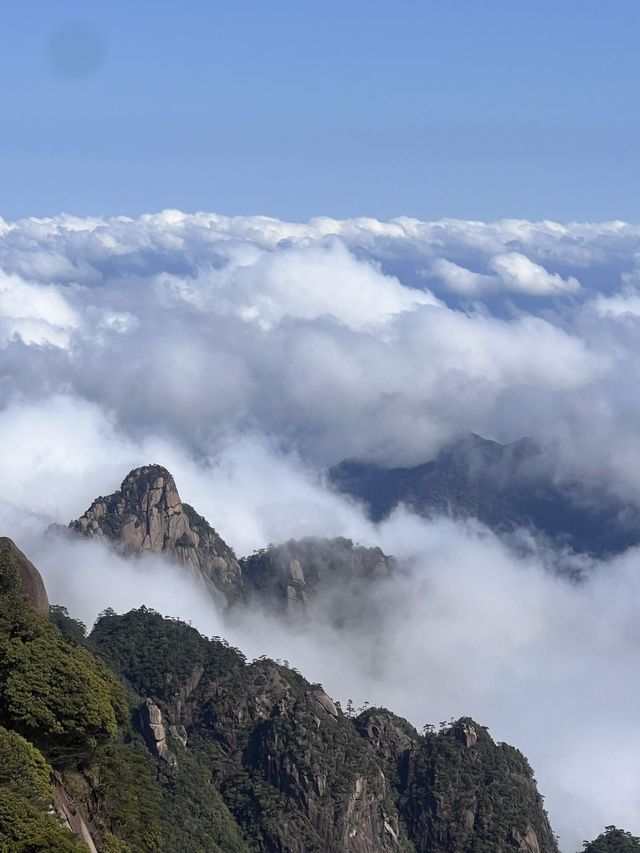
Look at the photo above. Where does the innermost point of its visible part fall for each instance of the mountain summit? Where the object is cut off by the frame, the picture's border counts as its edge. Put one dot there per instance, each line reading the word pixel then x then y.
pixel 147 515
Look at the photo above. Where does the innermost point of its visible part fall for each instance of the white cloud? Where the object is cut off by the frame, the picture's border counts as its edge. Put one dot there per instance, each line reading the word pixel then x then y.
pixel 623 304
pixel 245 354
pixel 35 313
pixel 266 287
pixel 522 275
pixel 461 280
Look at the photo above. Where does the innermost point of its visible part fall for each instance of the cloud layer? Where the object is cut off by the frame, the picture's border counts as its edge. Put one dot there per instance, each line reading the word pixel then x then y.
pixel 379 340
pixel 247 354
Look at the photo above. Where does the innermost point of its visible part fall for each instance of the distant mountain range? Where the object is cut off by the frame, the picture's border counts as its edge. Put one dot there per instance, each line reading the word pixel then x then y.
pixel 505 486
pixel 146 736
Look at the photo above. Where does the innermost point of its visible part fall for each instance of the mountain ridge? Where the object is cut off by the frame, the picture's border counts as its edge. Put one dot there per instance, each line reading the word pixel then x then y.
pixel 505 486
pixel 185 745
pixel 190 746
pixel 147 516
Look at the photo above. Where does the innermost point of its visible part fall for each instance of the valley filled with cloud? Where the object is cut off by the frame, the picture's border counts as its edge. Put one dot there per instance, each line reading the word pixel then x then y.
pixel 249 355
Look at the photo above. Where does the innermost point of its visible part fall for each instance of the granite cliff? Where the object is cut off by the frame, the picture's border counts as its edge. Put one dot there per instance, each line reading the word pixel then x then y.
pixel 146 515
pixel 31 582
pixel 146 736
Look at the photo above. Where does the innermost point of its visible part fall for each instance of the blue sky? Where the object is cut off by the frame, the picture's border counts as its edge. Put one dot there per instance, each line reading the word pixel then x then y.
pixel 471 109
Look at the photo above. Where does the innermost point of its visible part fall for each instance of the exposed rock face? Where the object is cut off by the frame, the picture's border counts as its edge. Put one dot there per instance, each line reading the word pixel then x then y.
pixel 146 515
pixel 70 816
pixel 527 843
pixel 468 734
pixel 301 777
pixel 292 574
pixel 31 582
pixel 392 739
pixel 154 731
pixel 324 701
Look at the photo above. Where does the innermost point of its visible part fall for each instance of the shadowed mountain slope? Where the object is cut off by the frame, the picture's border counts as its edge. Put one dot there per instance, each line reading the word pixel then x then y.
pixel 147 736
pixel 291 574
pixel 505 486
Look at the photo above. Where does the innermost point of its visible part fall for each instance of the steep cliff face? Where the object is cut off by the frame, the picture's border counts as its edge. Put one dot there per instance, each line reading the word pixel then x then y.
pixel 290 575
pixel 146 515
pixel 290 767
pixel 298 775
pixel 463 792
pixel 31 583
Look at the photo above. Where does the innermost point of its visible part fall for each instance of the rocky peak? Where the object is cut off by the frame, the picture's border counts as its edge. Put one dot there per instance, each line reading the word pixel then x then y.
pixel 31 583
pixel 147 515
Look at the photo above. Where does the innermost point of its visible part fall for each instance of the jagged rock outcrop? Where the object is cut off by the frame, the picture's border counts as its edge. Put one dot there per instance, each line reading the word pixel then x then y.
pixel 31 582
pixel 463 791
pixel 527 843
pixel 154 731
pixel 146 515
pixel 299 776
pixel 291 575
pixel 392 739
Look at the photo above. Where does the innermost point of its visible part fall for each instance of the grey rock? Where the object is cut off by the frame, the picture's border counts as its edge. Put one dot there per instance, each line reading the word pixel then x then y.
pixel 154 732
pixel 31 581
pixel 146 515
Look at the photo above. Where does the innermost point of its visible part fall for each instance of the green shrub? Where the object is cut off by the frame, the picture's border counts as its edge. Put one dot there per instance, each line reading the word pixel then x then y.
pixel 23 768
pixel 53 692
pixel 26 828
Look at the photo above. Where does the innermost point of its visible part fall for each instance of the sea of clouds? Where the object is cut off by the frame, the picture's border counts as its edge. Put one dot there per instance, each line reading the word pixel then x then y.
pixel 248 354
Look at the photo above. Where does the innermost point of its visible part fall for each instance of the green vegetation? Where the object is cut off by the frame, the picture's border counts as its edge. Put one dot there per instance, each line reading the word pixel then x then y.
pixel 23 768
pixel 196 816
pixel 613 840
pixel 156 655
pixel 28 828
pixel 468 794
pixel 51 691
pixel 72 629
pixel 127 792
pixel 25 799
